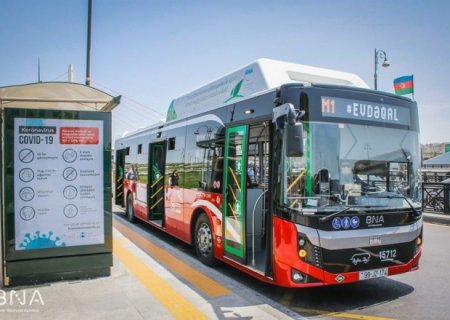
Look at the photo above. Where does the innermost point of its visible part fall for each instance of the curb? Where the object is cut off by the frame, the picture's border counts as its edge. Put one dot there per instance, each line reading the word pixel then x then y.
pixel 438 218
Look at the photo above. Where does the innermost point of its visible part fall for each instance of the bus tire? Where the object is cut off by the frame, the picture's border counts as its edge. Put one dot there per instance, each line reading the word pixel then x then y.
pixel 130 208
pixel 203 240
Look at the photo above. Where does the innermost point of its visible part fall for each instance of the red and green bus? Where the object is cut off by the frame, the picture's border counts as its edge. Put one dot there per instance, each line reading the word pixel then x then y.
pixel 309 181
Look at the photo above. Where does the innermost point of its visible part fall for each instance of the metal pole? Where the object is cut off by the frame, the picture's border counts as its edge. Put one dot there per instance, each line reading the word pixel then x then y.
pixel 70 73
pixel 39 69
pixel 376 67
pixel 379 54
pixel 88 53
pixel 446 199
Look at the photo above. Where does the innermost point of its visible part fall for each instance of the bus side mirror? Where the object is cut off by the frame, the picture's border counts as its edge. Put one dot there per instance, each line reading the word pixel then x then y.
pixel 294 140
pixel 284 114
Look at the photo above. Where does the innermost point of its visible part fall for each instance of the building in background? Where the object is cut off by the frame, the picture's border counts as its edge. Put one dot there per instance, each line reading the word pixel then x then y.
pixel 436 169
pixel 431 150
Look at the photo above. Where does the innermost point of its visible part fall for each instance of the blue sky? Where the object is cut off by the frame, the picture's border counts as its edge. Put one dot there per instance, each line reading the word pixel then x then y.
pixel 153 51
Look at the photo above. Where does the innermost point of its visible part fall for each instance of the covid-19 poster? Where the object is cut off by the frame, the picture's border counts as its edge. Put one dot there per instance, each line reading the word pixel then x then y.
pixel 58 183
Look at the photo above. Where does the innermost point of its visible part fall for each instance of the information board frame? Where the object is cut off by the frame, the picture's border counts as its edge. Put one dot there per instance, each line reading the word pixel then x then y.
pixel 9 246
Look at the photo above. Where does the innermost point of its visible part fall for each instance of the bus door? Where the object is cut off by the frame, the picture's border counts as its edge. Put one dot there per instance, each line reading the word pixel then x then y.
pixel 157 159
pixel 120 174
pixel 234 193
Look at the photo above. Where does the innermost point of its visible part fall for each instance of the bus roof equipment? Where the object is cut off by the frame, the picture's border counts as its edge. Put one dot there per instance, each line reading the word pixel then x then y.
pixel 257 77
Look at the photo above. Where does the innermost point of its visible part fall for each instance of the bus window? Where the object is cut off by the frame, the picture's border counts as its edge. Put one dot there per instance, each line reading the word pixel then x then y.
pixel 131 174
pixel 208 155
pixel 258 156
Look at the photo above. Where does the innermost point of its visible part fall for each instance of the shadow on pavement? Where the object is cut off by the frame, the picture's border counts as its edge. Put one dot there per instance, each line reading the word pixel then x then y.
pixel 339 298
pixel 342 298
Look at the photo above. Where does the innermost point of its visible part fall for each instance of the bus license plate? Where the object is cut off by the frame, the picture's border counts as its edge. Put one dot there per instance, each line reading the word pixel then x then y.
pixel 372 274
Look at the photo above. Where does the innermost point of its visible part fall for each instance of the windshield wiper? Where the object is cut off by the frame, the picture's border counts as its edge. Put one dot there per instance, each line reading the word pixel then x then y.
pixel 400 195
pixel 328 217
pixel 415 212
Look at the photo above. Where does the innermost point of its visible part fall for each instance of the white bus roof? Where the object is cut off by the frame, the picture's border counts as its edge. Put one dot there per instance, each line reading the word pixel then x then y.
pixel 259 76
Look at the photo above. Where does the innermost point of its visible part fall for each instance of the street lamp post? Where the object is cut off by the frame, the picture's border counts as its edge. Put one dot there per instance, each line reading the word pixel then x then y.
pixel 379 54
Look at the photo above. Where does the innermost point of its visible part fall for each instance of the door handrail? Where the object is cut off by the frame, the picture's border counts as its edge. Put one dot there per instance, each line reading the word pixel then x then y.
pixel 253 226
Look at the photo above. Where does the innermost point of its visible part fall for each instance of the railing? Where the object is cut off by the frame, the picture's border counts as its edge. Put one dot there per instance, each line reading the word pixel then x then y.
pixel 434 177
pixel 435 197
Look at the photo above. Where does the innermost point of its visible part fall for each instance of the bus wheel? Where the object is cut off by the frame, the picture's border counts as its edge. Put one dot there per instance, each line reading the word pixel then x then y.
pixel 203 240
pixel 130 208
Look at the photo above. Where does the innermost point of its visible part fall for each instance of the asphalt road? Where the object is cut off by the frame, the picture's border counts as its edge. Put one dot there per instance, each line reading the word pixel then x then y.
pixel 422 294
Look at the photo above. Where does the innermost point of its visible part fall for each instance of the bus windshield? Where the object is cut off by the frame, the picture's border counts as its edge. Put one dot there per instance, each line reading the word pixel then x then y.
pixel 352 165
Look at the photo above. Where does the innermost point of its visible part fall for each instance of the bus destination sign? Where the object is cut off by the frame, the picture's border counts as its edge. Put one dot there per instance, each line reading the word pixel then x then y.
pixel 364 110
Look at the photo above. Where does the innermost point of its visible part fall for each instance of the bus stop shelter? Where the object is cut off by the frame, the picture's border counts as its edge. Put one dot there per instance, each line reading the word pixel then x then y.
pixel 55 173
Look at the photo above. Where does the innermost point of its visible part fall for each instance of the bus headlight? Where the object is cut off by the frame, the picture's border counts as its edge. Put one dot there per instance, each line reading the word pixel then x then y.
pixel 302 253
pixel 297 276
pixel 418 242
pixel 307 252
pixel 300 277
pixel 301 242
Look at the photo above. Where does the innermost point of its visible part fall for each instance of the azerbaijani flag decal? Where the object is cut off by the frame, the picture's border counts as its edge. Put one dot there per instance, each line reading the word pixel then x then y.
pixel 404 85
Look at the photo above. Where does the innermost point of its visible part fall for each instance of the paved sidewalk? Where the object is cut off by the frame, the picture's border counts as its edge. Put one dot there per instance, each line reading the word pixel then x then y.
pixel 139 288
pixel 119 296
pixel 438 218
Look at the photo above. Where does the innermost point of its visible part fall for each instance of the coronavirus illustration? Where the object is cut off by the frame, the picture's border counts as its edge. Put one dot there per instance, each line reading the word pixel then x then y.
pixel 40 241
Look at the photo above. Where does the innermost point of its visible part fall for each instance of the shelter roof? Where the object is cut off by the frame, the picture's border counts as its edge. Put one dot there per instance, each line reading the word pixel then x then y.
pixel 57 95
